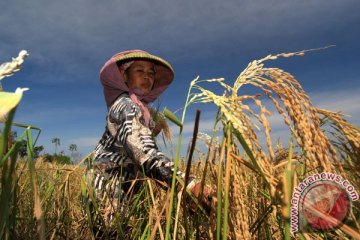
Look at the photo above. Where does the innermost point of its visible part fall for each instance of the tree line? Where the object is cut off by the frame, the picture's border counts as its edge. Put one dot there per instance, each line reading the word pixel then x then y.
pixel 60 158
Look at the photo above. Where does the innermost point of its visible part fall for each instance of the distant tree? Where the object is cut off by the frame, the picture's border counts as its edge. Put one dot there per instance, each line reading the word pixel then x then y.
pixel 72 148
pixel 38 150
pixel 11 137
pixel 14 134
pixel 56 142
pixel 57 159
pixel 23 149
pixel 63 159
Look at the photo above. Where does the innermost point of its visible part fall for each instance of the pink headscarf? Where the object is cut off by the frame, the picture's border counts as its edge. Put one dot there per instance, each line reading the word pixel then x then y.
pixel 114 84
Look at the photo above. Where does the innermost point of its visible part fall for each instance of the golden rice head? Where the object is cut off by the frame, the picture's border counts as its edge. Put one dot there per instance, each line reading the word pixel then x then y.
pixel 295 106
pixel 345 137
pixel 161 125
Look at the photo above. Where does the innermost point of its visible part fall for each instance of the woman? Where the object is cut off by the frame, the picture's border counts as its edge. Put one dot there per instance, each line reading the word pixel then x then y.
pixel 131 80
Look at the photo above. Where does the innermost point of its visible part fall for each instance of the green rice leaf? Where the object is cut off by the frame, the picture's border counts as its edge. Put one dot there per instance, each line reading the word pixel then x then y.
pixel 250 154
pixel 171 116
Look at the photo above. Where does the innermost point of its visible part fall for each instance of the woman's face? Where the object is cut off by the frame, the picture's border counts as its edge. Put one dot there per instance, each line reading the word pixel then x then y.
pixel 141 75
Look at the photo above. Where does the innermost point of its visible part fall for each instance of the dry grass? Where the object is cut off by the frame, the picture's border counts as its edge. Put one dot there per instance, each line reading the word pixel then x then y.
pixel 59 191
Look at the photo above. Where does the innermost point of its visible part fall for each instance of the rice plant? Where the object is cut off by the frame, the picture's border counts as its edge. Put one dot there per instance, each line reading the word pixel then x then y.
pixel 257 171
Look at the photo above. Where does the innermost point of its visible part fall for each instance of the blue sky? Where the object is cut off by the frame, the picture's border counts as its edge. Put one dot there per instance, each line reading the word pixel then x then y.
pixel 69 41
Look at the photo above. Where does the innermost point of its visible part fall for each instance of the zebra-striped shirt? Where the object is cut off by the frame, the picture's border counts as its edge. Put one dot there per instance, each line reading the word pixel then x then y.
pixel 127 143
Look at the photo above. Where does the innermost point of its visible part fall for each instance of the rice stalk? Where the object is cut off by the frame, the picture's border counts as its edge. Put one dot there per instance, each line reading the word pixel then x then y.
pixel 219 191
pixel 228 165
pixel 38 213
pixel 288 186
pixel 176 160
pixel 187 174
pixel 8 179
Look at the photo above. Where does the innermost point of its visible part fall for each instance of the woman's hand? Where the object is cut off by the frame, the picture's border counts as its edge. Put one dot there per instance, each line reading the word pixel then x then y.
pixel 206 197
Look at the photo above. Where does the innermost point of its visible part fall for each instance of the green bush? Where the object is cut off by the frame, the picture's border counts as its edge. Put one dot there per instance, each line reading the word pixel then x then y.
pixel 59 159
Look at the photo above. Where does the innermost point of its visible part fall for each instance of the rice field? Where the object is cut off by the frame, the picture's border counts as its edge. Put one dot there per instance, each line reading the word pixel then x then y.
pixel 252 183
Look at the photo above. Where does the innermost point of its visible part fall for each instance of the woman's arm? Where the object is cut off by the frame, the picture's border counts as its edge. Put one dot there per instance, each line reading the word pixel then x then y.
pixel 125 123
